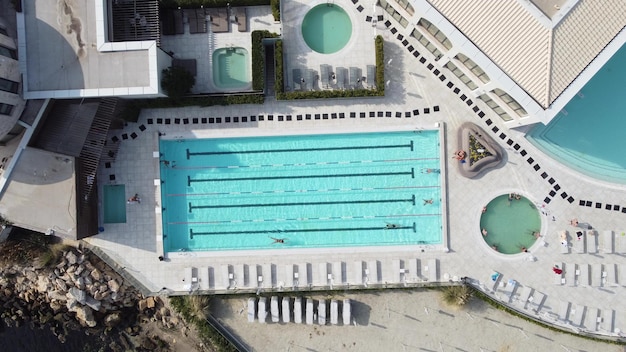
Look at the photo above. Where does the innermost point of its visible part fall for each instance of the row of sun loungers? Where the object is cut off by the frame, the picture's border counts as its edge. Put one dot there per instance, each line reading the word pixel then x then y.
pixel 341 78
pixel 281 308
pixel 561 311
pixel 308 275
pixel 593 242
pixel 173 23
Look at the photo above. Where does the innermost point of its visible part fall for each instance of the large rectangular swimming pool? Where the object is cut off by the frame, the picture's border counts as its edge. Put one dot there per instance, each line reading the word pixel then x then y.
pixel 339 190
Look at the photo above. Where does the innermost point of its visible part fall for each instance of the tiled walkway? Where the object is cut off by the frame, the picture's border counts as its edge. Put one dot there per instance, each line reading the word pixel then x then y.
pixel 416 83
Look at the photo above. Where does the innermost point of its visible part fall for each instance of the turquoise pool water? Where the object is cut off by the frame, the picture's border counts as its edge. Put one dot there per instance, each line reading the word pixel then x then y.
pixel 114 204
pixel 231 68
pixel 326 28
pixel 510 224
pixel 589 134
pixel 313 191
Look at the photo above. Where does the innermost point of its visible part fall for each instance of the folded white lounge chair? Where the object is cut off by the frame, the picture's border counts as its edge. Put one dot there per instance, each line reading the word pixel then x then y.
pixel 346 313
pixel 578 241
pixel 309 311
pixel 570 274
pixel 609 276
pixel 334 312
pixel 297 310
pixel 564 308
pixel 372 267
pixel 606 242
pixel 274 309
pixel 607 320
pixel 251 309
pixel 564 242
pixel 596 275
pixel 583 275
pixel 525 296
pixel 240 275
pixel 359 276
pixel 592 319
pixel 321 312
pixel 576 314
pixel 338 277
pixel 323 274
pixel 536 301
pixel 286 309
pixel 262 313
pixel 268 275
pixel 432 270
pixel 592 242
pixel 226 276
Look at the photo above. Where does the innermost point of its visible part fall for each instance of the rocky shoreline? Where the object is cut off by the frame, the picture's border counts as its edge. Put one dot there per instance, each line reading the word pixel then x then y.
pixel 81 293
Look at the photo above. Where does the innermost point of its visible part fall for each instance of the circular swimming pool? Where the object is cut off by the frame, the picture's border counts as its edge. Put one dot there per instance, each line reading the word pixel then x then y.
pixel 510 222
pixel 231 69
pixel 326 28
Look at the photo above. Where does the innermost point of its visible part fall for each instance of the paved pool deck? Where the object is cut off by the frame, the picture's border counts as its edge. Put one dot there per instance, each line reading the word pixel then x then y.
pixel 588 306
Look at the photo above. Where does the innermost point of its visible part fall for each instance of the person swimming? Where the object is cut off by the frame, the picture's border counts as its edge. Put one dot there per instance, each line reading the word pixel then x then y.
pixel 278 240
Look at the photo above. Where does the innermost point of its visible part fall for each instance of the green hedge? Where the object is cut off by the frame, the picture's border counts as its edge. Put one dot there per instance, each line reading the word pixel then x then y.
pixel 380 64
pixel 275 4
pixel 132 108
pixel 325 94
pixel 279 81
pixel 258 58
pixel 190 4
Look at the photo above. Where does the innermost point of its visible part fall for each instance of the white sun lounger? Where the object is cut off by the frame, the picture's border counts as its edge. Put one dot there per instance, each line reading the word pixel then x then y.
pixel 226 276
pixel 372 267
pixel 610 275
pixel 322 279
pixel 592 242
pixel 286 309
pixel 397 276
pixel 509 290
pixel 576 314
pixel 321 312
pixel 563 243
pixel 359 277
pixel 606 242
pixel 432 270
pixel 297 310
pixel 240 275
pixel 338 276
pixel 564 308
pixel 288 275
pixel 251 309
pixel 187 284
pixel 334 312
pixel 274 309
pixel 607 320
pixel 596 275
pixel 578 243
pixel 371 76
pixel 493 287
pixel 346 313
pixel 262 314
pixel 620 242
pixel 341 77
pixel 583 275
pixel 324 75
pixel 525 296
pixel 268 275
pixel 570 274
pixel 537 301
pixel 256 276
pixel 309 311
pixel 592 319
pixel 558 278
pixel 305 274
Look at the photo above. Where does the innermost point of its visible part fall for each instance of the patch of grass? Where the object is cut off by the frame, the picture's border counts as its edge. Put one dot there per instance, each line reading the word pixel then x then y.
pixel 457 296
pixel 477 150
pixel 52 255
pixel 199 306
pixel 183 305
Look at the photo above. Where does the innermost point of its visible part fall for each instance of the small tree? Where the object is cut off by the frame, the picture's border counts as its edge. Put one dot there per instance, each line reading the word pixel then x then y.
pixel 177 81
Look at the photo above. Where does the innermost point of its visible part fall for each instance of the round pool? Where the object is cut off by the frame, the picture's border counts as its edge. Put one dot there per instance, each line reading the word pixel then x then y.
pixel 326 28
pixel 231 68
pixel 510 222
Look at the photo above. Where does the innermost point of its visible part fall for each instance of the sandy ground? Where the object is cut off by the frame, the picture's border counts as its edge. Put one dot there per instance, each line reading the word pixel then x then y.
pixel 413 320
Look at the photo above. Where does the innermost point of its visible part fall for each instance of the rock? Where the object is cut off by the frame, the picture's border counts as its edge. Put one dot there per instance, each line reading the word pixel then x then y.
pixel 142 305
pixel 71 304
pixel 30 275
pixel 77 294
pixel 99 296
pixel 164 311
pixel 60 284
pixel 71 257
pixel 79 270
pixel 70 269
pixel 85 316
pixel 93 304
pixel 148 344
pixel 55 306
pixel 57 295
pixel 42 284
pixel 112 319
pixel 81 259
pixel 150 302
pixel 80 282
pixel 113 285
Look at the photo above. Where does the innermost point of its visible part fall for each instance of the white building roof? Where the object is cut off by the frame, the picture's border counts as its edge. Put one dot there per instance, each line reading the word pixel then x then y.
pixel 542 55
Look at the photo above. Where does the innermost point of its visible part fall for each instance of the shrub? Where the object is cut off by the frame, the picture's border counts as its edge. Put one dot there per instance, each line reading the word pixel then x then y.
pixel 279 81
pixel 380 64
pixel 177 82
pixel 199 306
pixel 474 147
pixel 52 255
pixel 275 4
pixel 457 295
pixel 258 58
